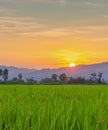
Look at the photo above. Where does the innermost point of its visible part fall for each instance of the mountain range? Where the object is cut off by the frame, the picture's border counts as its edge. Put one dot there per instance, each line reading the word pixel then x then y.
pixel 80 70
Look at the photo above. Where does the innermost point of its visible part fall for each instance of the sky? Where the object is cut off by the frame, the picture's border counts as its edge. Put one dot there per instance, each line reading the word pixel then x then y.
pixel 53 33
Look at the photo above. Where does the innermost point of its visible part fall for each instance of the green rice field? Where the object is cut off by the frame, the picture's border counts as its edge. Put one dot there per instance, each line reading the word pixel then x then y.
pixel 56 107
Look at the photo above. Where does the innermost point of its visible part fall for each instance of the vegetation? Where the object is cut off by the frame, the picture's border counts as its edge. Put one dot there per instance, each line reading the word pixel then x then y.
pixel 54 79
pixel 4 74
pixel 53 107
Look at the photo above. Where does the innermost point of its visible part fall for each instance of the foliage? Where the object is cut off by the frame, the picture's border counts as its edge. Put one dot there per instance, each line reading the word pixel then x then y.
pixel 4 73
pixel 31 81
pixel 54 79
pixel 78 80
pixel 20 76
pixel 63 78
pixel 15 80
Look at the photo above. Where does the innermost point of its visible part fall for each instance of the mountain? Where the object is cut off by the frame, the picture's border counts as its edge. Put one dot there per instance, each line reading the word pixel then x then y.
pixel 80 70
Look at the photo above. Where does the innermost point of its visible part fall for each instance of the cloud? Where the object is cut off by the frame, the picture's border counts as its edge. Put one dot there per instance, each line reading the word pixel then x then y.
pixel 61 1
pixel 31 27
pixel 93 4
pixel 105 16
pixel 28 27
pixel 16 25
pixel 50 33
pixel 32 1
pixel 6 12
pixel 81 3
pixel 92 32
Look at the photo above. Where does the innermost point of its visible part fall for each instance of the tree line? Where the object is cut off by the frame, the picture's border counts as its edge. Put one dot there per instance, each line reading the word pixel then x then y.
pixel 95 78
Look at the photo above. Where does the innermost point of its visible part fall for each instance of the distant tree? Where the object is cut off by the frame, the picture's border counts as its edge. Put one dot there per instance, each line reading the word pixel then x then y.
pixel 5 74
pixel 54 77
pixel 31 81
pixel 15 80
pixel 1 75
pixel 71 80
pixel 78 80
pixel 20 76
pixel 63 78
pixel 1 72
pixel 93 78
pixel 46 81
pixel 100 77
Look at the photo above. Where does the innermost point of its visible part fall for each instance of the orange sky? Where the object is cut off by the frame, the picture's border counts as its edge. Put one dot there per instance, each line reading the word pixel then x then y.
pixel 53 53
pixel 53 33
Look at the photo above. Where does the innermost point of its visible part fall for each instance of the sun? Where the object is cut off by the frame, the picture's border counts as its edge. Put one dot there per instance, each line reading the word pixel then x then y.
pixel 71 65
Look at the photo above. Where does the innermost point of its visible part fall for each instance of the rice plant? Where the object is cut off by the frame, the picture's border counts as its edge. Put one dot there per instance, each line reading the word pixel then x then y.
pixel 64 107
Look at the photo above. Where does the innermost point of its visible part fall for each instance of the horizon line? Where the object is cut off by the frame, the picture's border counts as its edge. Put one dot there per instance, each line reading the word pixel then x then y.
pixel 52 68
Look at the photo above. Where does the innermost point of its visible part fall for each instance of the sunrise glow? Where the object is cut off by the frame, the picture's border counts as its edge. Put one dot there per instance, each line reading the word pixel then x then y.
pixel 71 65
